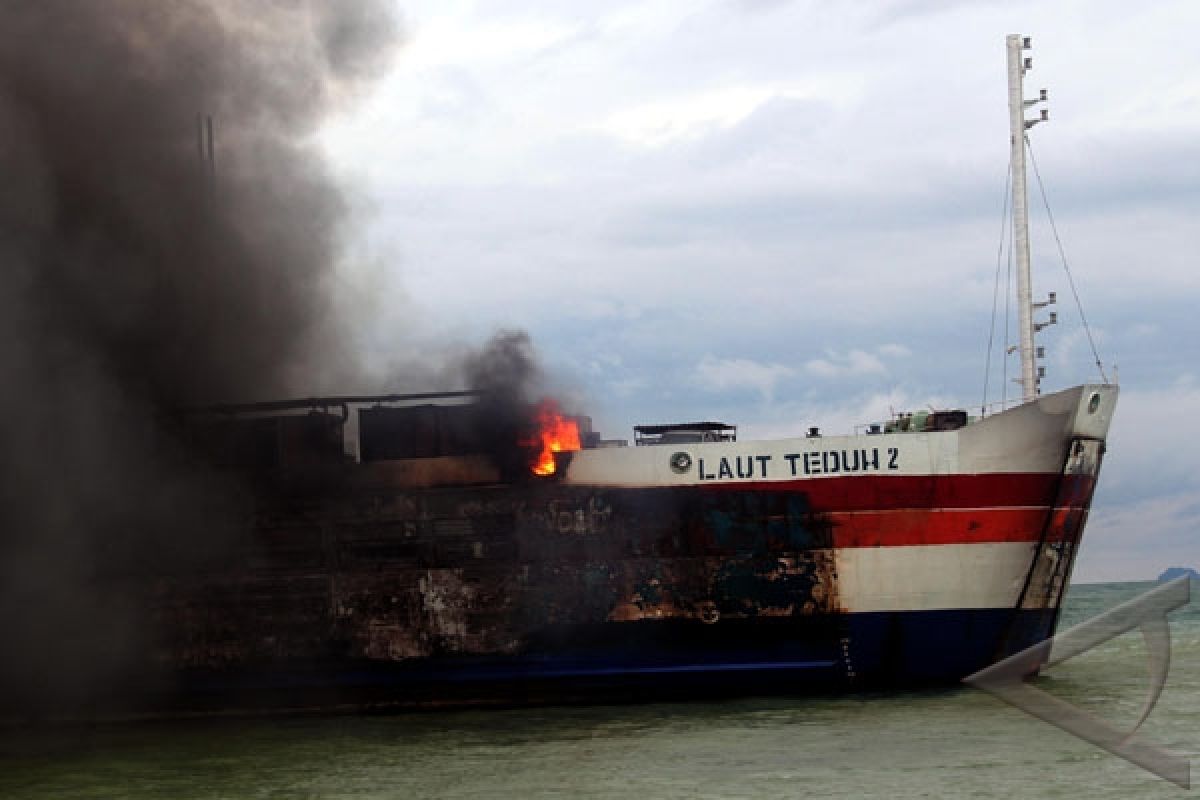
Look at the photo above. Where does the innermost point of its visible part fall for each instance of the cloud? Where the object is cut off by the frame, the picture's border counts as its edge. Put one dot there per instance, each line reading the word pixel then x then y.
pixel 855 362
pixel 1138 540
pixel 894 351
pixel 724 374
pixel 1146 514
pixel 457 40
pixel 657 123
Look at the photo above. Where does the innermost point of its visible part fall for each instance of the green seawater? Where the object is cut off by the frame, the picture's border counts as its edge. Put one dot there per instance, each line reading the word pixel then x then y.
pixel 949 743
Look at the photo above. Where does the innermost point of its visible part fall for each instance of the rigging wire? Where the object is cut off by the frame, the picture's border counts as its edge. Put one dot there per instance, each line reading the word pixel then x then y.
pixel 1063 255
pixel 987 369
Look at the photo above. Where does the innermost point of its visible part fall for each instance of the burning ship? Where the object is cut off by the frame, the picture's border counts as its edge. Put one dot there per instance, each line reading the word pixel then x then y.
pixel 422 573
pixel 405 549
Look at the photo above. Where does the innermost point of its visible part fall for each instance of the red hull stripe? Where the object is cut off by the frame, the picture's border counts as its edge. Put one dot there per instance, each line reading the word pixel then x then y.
pixel 923 492
pixel 945 526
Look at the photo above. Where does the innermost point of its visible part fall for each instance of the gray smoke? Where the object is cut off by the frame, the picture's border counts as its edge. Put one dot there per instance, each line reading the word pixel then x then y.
pixel 507 372
pixel 506 368
pixel 134 282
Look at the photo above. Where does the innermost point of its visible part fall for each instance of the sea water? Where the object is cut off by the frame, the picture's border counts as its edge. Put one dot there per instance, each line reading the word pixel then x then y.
pixel 948 743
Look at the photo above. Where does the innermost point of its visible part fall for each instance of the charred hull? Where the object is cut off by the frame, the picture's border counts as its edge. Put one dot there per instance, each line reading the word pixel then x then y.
pixel 899 558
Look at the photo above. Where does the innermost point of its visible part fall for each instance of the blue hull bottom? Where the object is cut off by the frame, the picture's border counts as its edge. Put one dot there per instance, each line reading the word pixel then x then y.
pixel 654 660
pixel 922 647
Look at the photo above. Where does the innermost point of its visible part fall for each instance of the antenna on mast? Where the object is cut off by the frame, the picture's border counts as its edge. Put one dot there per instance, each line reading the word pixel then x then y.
pixel 1018 65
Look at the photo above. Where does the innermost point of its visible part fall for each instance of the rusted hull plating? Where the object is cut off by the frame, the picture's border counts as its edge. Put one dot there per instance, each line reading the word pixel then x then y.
pixel 496 571
pixel 529 593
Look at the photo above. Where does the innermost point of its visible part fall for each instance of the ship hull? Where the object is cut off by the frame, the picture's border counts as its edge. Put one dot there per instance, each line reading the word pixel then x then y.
pixel 814 564
pixel 890 650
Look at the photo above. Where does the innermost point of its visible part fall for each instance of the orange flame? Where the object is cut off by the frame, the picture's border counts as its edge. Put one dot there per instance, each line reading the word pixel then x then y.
pixel 555 434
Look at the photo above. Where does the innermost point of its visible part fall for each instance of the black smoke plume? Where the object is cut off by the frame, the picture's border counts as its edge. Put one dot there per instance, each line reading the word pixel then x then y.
pixel 506 372
pixel 138 277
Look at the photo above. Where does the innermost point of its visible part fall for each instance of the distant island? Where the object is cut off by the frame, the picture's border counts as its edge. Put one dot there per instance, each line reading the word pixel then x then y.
pixel 1178 572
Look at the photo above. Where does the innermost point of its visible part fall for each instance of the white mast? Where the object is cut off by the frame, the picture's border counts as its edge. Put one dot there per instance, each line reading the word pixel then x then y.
pixel 1017 65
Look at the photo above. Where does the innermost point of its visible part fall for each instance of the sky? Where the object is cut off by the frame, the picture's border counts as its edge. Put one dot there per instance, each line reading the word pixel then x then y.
pixel 785 214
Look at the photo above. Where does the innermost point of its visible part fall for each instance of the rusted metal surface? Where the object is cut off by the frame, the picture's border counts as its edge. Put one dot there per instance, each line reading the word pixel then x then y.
pixel 373 573
pixel 1055 555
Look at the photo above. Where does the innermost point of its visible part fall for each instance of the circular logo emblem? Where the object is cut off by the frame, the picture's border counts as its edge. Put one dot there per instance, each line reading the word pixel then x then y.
pixel 681 462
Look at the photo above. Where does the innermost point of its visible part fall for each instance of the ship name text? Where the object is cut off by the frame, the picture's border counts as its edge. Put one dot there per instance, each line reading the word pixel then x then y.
pixel 792 465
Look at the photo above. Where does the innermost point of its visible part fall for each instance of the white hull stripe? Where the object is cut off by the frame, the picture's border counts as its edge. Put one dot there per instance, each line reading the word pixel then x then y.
pixel 932 577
